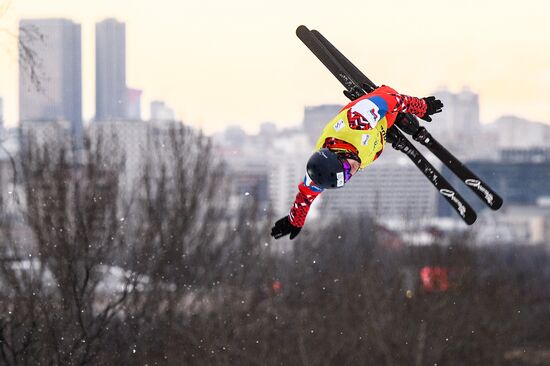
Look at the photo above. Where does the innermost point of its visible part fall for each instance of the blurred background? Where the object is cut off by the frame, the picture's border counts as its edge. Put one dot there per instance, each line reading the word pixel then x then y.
pixel 146 149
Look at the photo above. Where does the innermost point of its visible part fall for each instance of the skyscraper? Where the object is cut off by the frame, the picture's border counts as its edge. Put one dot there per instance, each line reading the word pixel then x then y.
pixel 58 97
pixel 458 125
pixel 460 113
pixel 110 89
pixel 316 117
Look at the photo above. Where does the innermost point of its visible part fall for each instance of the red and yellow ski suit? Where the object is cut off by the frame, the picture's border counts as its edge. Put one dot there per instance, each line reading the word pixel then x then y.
pixel 360 127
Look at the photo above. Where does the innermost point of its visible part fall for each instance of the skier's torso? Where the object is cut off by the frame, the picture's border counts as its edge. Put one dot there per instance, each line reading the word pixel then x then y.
pixel 363 124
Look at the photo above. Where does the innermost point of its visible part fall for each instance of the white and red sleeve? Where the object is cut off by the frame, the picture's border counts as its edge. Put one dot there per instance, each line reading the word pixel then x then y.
pixel 401 103
pixel 305 197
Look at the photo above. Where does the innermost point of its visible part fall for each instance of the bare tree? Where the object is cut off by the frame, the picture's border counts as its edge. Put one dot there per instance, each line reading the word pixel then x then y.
pixel 199 248
pixel 59 309
pixel 195 279
pixel 26 39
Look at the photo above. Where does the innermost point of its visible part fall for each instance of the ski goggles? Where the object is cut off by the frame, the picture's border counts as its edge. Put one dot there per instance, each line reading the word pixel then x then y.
pixel 343 156
pixel 347 170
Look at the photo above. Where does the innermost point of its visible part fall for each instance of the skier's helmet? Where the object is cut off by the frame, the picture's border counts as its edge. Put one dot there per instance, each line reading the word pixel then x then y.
pixel 328 170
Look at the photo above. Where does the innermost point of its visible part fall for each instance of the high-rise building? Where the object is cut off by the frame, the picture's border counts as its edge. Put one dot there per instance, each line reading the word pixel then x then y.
pixel 316 117
pixel 267 134
pixel 110 48
pixel 58 94
pixel 460 112
pixel 458 125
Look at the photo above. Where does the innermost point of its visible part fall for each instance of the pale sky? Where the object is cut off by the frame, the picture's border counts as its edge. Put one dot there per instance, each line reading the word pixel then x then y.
pixel 239 62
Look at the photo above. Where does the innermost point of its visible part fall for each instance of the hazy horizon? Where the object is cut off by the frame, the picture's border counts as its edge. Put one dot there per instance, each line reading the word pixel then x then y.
pixel 240 63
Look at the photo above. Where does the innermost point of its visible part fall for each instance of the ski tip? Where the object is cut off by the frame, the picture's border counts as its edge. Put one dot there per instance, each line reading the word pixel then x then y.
pixel 497 203
pixel 470 219
pixel 318 34
pixel 301 29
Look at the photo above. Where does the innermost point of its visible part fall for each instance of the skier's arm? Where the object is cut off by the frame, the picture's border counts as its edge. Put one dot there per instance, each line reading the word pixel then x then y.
pixel 400 103
pixel 293 223
pixel 300 208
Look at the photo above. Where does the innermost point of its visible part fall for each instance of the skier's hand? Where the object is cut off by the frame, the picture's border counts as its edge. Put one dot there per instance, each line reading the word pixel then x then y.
pixel 284 227
pixel 433 106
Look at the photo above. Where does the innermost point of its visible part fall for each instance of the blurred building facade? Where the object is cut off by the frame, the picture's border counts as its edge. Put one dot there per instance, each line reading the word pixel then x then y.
pixel 125 138
pixel 133 106
pixel 247 170
pixel 458 126
pixel 161 112
pixel 58 94
pixel 9 190
pixel 287 167
pixel 316 117
pixel 54 134
pixel 461 115
pixel 516 224
pixel 519 176
pixel 110 47
pixel 136 144
pixel 511 132
pixel 391 188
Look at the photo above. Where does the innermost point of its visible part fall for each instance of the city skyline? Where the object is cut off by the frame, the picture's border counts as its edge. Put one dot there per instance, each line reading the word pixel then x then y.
pixel 240 46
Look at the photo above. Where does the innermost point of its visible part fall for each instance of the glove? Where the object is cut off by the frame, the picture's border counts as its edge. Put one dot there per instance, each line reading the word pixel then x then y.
pixel 433 106
pixel 284 227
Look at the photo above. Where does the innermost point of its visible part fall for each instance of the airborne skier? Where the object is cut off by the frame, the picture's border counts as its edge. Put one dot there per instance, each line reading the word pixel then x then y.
pixel 349 142
pixel 356 137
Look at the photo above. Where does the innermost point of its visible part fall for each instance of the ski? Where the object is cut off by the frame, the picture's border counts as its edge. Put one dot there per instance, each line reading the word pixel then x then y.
pixel 410 125
pixel 469 178
pixel 398 140
pixel 461 206
pixel 354 91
